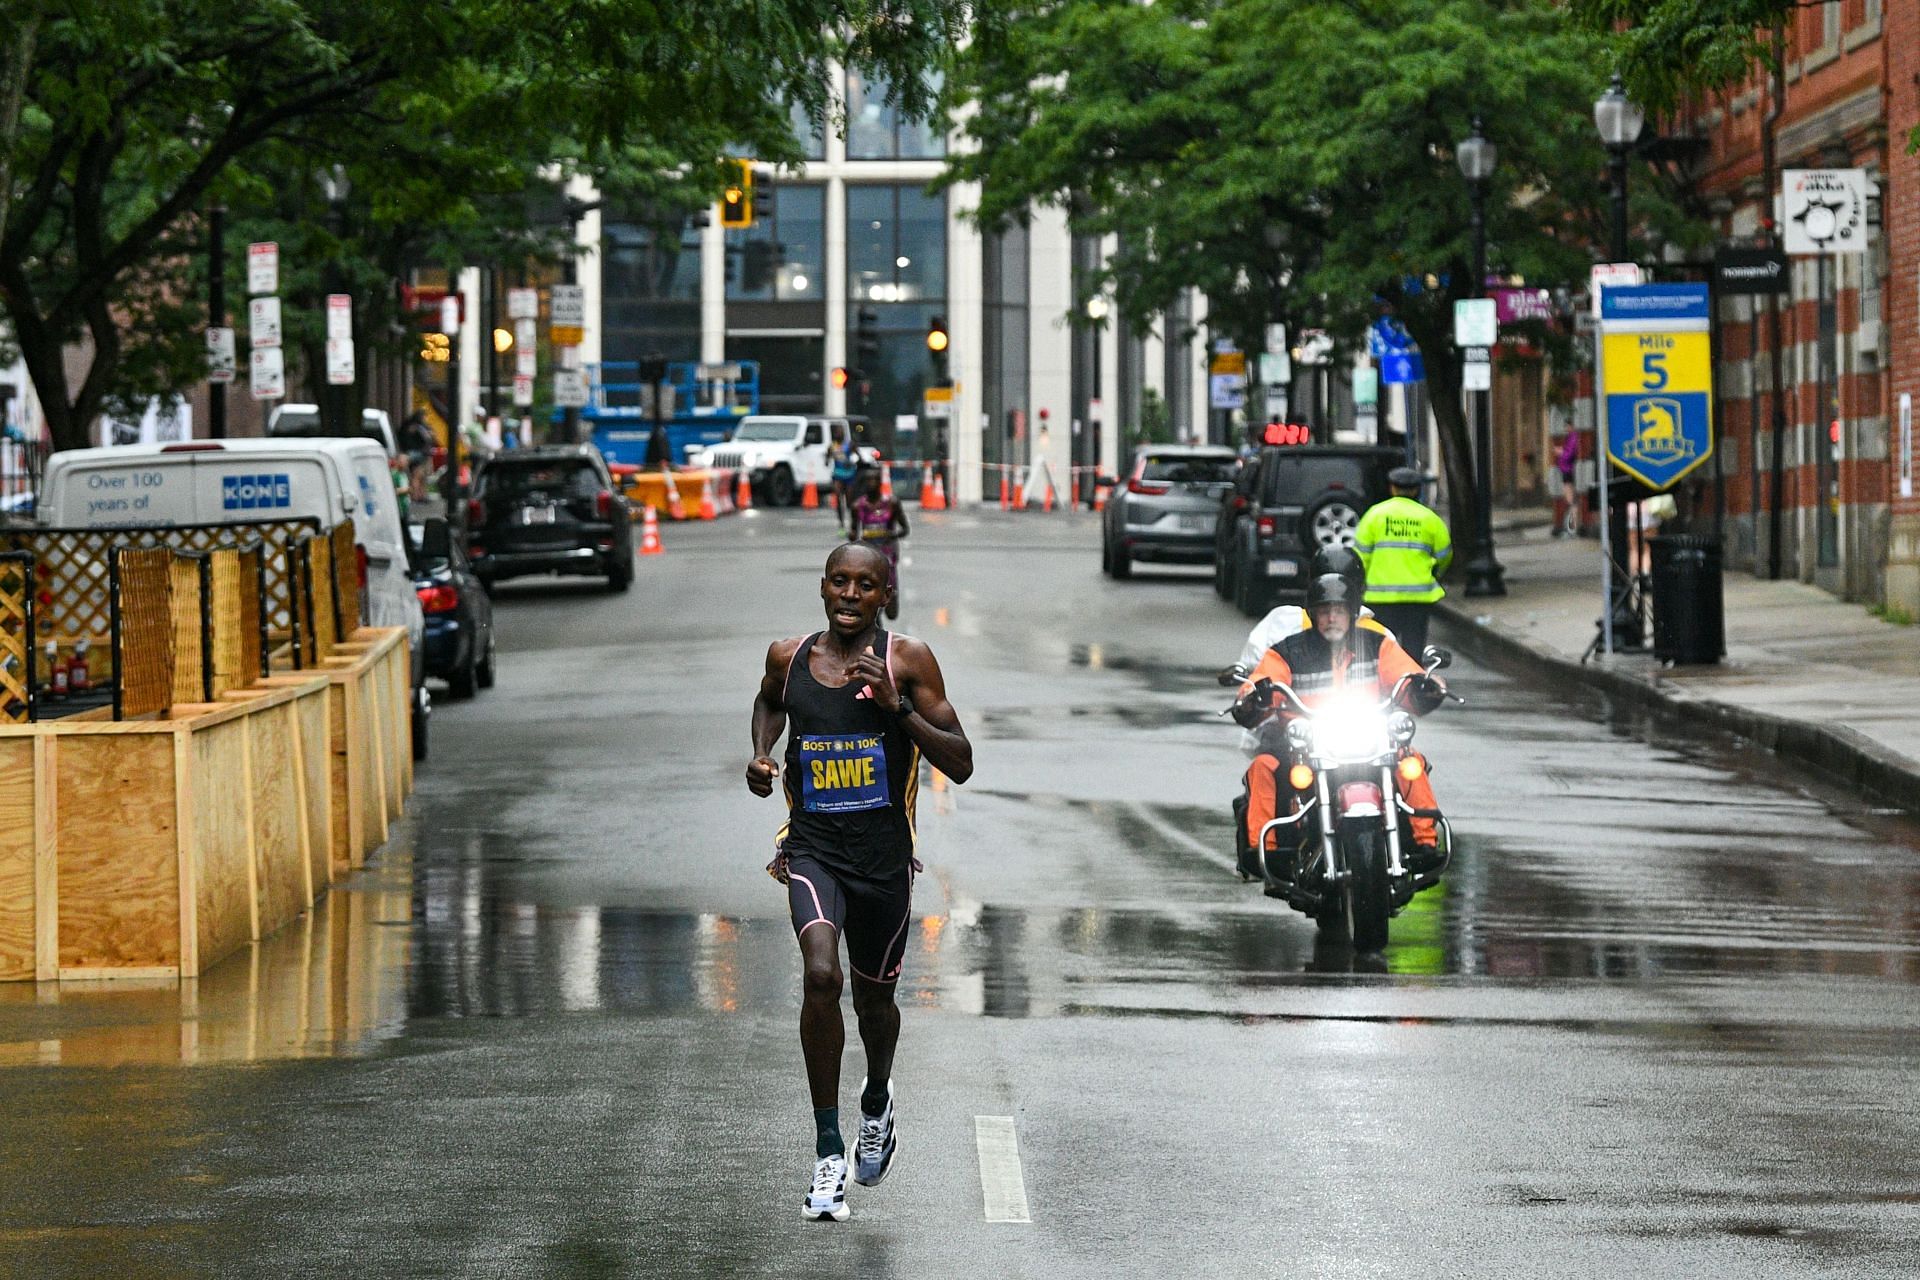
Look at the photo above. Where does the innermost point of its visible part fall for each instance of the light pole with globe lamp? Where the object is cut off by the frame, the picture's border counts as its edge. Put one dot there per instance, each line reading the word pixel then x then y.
pixel 1619 120
pixel 1477 157
pixel 1097 310
pixel 336 187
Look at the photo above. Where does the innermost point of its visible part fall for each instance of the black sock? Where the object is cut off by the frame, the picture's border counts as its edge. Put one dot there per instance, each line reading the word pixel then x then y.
pixel 873 1099
pixel 826 1127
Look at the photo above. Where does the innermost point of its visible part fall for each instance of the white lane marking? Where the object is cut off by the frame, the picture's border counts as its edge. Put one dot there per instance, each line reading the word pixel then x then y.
pixel 1002 1186
pixel 1178 836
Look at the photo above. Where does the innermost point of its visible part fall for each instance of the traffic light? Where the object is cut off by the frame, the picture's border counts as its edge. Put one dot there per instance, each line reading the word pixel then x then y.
pixel 937 345
pixel 736 200
pixel 866 337
pixel 839 378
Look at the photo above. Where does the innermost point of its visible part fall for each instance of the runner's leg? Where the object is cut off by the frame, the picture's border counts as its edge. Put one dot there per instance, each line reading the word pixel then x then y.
pixel 878 914
pixel 819 914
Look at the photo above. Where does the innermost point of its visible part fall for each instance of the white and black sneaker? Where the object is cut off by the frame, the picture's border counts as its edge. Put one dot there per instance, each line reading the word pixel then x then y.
pixel 827 1196
pixel 873 1152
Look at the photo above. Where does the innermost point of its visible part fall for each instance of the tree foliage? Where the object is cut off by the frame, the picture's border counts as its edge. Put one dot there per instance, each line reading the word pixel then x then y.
pixel 1294 159
pixel 1671 48
pixel 136 114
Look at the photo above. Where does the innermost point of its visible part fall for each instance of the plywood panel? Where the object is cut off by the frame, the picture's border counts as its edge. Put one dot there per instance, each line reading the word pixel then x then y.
pixel 17 846
pixel 399 739
pixel 316 756
pixel 373 782
pixel 118 863
pixel 276 820
pixel 343 780
pixel 222 840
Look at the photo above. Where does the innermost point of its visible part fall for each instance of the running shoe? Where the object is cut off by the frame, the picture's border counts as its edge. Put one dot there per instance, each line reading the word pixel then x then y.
pixel 827 1197
pixel 873 1152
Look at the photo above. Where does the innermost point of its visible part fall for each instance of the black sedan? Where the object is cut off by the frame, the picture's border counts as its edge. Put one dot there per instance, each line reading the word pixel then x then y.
pixel 458 644
pixel 553 509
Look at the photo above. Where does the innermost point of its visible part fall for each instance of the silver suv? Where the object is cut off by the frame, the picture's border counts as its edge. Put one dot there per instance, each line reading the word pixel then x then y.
pixel 1166 509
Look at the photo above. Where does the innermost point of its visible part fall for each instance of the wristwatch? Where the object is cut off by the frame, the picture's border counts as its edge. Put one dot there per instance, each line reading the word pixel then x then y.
pixel 905 709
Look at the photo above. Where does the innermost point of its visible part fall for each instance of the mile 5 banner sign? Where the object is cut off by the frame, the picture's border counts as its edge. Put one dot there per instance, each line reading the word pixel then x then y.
pixel 1657 375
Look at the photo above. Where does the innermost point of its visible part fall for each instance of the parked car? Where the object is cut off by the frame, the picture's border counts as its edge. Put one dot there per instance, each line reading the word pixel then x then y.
pixel 222 481
pixel 781 454
pixel 459 642
pixel 1299 499
pixel 303 422
pixel 552 509
pixel 1165 512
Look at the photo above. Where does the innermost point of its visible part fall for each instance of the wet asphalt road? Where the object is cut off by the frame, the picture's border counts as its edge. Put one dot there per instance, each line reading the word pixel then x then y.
pixel 1659 1021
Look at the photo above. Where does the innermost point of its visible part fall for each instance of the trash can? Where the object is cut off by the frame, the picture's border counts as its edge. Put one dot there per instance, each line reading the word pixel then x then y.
pixel 1689 617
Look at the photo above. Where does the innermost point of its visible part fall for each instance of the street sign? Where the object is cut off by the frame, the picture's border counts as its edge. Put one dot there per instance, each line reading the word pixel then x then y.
pixel 523 304
pixel 570 388
pixel 522 389
pixel 1227 391
pixel 263 322
pixel 526 361
pixel 526 335
pixel 567 325
pixel 1824 210
pixel 340 362
pixel 1657 378
pixel 1276 339
pixel 220 356
pixel 1316 346
pixel 263 267
pixel 1476 374
pixel 1228 362
pixel 1366 384
pixel 1476 322
pixel 450 314
pixel 1515 304
pixel 268 374
pixel 1606 275
pixel 1276 368
pixel 1397 368
pixel 340 316
pixel 1388 334
pixel 938 403
pixel 1750 272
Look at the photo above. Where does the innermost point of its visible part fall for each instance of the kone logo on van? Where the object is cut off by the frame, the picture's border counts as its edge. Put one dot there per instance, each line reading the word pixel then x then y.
pixel 255 493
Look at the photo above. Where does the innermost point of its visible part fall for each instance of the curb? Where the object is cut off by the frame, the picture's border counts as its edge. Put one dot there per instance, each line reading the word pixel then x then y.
pixel 1845 755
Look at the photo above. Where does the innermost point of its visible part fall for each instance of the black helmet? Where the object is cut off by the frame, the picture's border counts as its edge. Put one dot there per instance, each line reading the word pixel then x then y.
pixel 1333 588
pixel 1344 561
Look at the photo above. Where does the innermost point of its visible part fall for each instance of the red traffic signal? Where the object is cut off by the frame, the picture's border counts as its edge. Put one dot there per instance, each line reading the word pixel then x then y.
pixel 839 379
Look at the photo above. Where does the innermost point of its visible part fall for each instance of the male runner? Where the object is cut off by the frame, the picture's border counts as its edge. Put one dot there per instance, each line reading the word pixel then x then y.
pixel 865 705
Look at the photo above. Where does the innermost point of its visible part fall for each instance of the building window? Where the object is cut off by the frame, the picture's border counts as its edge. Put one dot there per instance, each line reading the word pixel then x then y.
pixel 791 368
pixel 809 129
pixel 782 256
pixel 876 130
pixel 1005 336
pixel 651 288
pixel 897 275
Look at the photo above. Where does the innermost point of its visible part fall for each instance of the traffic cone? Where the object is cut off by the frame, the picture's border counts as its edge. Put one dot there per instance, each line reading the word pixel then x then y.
pixel 1019 495
pixel 931 499
pixel 1099 497
pixel 1004 500
pixel 1046 504
pixel 708 509
pixel 886 480
pixel 939 492
pixel 650 534
pixel 810 497
pixel 743 493
pixel 674 508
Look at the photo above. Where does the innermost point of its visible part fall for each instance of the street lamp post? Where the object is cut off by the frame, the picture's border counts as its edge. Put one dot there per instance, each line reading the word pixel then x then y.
pixel 1097 310
pixel 1619 119
pixel 1485 576
pixel 335 186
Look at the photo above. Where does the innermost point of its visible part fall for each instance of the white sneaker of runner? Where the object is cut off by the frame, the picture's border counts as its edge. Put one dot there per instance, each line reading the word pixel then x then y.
pixel 827 1196
pixel 873 1152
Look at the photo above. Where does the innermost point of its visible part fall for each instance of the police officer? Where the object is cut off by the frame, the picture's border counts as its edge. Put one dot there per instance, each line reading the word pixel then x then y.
pixel 1406 547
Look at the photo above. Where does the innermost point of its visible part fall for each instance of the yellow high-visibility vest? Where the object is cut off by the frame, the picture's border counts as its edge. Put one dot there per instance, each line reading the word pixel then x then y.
pixel 1405 547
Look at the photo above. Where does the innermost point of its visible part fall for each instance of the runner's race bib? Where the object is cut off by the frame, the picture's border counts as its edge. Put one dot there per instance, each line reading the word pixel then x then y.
pixel 842 773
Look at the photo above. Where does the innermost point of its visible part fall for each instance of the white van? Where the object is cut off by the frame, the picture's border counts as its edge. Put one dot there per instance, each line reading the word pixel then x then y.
pixel 221 481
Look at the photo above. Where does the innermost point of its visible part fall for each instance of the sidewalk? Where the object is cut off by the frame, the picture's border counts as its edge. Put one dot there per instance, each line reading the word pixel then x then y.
pixel 1816 679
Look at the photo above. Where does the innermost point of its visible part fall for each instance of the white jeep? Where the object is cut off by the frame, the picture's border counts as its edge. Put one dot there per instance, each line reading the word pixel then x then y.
pixel 781 453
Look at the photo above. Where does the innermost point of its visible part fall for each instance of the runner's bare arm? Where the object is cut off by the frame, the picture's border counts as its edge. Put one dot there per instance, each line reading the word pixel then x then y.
pixel 934 724
pixel 770 716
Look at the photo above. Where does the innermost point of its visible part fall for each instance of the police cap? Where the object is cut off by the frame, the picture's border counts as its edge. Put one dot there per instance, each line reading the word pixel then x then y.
pixel 1405 478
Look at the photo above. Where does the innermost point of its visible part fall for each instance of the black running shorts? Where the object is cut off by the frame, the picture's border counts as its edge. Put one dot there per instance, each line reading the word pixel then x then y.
pixel 871 915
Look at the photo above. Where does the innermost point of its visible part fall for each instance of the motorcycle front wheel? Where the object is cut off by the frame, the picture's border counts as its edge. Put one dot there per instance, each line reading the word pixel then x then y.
pixel 1368 897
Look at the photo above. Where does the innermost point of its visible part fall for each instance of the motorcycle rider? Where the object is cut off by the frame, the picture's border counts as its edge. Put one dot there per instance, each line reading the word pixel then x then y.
pixel 1331 656
pixel 1287 619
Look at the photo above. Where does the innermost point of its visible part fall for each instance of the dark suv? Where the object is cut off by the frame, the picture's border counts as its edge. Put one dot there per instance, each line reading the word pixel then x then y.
pixel 549 510
pixel 1288 503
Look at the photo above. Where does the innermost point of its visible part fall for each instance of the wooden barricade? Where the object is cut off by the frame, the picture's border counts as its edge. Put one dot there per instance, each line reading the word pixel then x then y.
pixel 16 637
pixel 190 605
pixel 154 848
pixel 320 598
pixel 141 629
pixel 346 579
pixel 239 641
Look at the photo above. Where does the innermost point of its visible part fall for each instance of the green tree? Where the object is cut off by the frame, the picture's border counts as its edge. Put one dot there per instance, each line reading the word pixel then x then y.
pixel 136 113
pixel 1294 159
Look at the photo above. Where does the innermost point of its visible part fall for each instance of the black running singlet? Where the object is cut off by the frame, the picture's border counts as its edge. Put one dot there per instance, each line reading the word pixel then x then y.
pixel 852 773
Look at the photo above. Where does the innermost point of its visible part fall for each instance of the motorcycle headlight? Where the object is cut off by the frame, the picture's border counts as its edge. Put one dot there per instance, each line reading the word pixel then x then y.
pixel 1400 728
pixel 1299 735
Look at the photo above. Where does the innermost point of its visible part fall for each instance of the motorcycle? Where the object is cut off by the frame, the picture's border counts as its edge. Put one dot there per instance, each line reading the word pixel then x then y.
pixel 1347 864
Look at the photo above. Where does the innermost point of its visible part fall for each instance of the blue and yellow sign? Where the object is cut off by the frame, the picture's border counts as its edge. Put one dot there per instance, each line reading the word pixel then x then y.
pixel 1656 366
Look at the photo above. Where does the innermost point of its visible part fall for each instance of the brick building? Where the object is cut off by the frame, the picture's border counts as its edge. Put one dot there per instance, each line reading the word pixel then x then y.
pixel 1849 330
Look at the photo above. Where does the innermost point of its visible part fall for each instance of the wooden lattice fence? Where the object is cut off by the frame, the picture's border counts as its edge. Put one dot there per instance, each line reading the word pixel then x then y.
pixel 16 637
pixel 239 641
pixel 141 627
